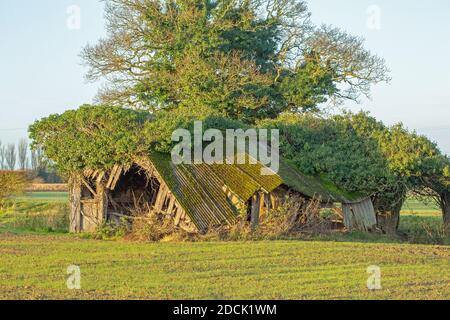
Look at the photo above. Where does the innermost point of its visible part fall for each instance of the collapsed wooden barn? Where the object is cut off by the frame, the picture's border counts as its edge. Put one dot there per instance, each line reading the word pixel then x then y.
pixel 198 196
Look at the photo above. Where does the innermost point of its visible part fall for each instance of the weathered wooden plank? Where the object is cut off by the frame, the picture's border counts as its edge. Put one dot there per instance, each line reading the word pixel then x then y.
pixel 161 198
pixel 100 176
pixel 256 204
pixel 102 198
pixel 178 217
pixel 262 203
pixel 86 184
pixel 154 197
pixel 171 206
pixel 112 175
pixel 274 201
pixel 117 176
pixel 75 204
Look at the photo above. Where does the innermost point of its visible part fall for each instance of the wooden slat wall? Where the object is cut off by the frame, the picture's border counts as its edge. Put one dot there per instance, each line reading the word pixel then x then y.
pixel 87 215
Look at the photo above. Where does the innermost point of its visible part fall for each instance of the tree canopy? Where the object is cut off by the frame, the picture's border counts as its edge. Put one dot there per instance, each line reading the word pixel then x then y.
pixel 89 137
pixel 417 164
pixel 245 59
pixel 331 150
pixel 409 155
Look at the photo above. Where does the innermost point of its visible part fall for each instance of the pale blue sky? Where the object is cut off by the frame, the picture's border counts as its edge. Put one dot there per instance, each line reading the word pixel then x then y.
pixel 41 72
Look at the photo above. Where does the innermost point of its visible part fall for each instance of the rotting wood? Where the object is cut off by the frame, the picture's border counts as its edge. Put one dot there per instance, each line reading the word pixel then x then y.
pixel 111 177
pixel 116 178
pixel 178 217
pixel 256 202
pixel 86 184
pixel 262 199
pixel 171 206
pixel 274 201
pixel 100 176
pixel 102 199
pixel 75 203
pixel 161 198
pixel 267 202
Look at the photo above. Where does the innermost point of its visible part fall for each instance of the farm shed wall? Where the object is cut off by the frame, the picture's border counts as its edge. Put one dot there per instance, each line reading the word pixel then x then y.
pixel 116 195
pixel 196 197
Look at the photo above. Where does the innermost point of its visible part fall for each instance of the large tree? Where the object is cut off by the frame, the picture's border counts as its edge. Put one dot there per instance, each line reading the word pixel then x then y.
pixel 434 179
pixel 246 59
pixel 417 164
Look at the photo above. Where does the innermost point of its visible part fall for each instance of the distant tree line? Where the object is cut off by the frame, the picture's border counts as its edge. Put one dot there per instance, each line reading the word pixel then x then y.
pixel 21 157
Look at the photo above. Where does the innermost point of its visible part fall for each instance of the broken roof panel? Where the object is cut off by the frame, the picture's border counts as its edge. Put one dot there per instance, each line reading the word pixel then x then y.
pixel 199 188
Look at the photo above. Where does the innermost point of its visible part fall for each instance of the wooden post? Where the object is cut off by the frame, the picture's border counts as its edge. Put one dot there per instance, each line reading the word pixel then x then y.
pixel 102 200
pixel 256 204
pixel 178 216
pixel 262 199
pixel 154 196
pixel 274 201
pixel 75 205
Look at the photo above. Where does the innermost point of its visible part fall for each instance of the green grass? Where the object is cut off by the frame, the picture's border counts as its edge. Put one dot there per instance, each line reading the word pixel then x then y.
pixel 36 212
pixel 34 267
pixel 44 197
pixel 34 262
pixel 417 207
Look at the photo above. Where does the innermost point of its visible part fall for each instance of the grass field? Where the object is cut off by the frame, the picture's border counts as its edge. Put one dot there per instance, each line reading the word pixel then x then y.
pixel 34 264
pixel 39 197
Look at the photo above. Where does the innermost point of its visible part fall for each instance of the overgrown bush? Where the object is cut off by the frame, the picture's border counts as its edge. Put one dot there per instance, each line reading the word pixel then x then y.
pixel 111 230
pixel 90 137
pixel 294 219
pixel 11 182
pixel 331 150
pixel 426 230
pixel 151 227
pixel 142 225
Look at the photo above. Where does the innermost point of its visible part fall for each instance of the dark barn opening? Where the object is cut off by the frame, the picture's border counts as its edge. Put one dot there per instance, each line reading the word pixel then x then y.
pixel 134 189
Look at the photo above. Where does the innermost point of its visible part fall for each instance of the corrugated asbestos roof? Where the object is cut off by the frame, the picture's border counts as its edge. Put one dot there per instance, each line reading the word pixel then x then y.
pixel 198 196
pixel 199 189
pixel 311 186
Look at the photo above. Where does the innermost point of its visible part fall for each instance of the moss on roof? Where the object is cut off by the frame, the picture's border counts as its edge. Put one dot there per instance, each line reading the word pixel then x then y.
pixel 199 188
pixel 313 186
